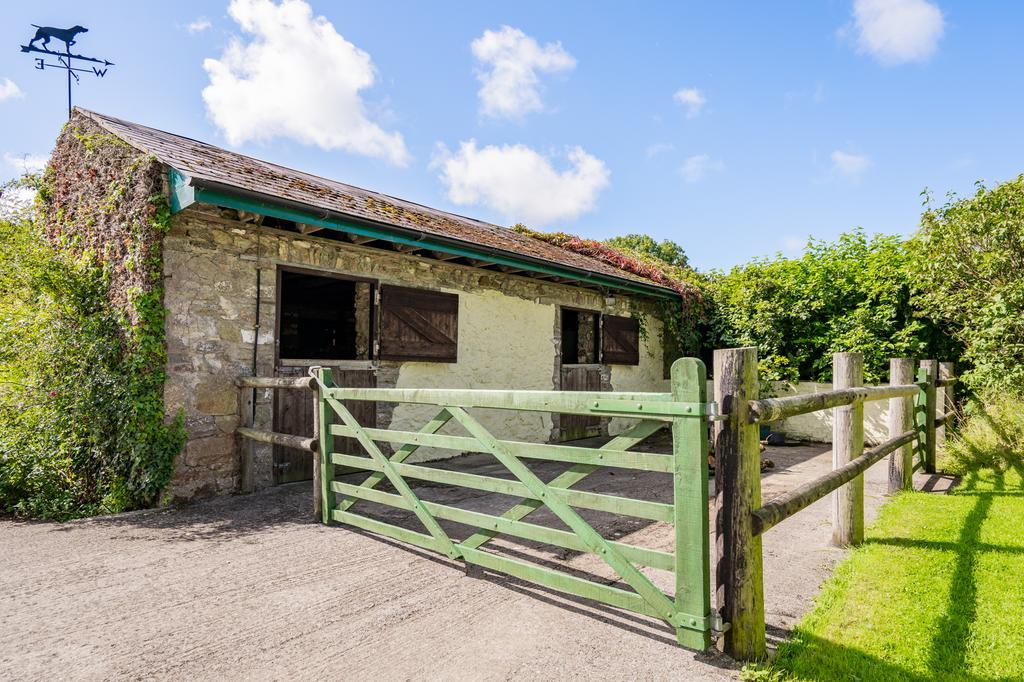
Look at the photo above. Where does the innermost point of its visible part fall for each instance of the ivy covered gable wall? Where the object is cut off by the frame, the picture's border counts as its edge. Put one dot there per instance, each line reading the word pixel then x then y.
pixel 103 205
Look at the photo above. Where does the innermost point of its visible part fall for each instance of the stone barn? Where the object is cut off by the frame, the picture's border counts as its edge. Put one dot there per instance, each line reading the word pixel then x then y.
pixel 268 271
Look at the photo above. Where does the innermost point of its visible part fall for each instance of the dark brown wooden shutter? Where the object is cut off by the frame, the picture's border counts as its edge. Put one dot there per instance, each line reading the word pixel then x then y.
pixel 620 340
pixel 417 324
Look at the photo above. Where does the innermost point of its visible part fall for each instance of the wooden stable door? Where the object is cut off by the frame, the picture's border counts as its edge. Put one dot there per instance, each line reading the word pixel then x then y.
pixel 579 378
pixel 293 414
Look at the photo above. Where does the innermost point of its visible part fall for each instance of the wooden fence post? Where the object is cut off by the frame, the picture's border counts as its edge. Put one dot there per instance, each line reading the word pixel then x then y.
pixel 847 445
pixel 244 446
pixel 739 581
pixel 326 446
pixel 901 413
pixel 945 404
pixel 925 414
pixel 317 460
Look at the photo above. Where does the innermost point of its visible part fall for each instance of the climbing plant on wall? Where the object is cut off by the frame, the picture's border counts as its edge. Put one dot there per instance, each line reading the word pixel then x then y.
pixel 82 365
pixel 663 263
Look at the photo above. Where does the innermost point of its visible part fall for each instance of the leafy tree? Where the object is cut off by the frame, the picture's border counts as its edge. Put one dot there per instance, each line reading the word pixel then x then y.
pixel 82 426
pixel 968 262
pixel 666 251
pixel 853 294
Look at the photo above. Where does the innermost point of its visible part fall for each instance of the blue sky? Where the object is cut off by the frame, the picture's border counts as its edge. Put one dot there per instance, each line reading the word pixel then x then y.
pixel 735 129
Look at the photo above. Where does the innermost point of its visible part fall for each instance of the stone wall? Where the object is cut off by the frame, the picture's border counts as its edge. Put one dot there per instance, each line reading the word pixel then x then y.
pixel 508 335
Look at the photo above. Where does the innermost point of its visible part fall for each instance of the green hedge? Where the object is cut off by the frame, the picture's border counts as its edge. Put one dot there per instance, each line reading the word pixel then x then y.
pixel 82 427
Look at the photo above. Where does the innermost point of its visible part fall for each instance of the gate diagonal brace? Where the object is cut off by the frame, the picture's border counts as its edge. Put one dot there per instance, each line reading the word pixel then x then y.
pixel 590 537
pixel 395 479
pixel 402 454
pixel 568 478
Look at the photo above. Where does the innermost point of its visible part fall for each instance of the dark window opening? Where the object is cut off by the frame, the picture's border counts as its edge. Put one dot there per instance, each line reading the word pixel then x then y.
pixel 580 337
pixel 324 318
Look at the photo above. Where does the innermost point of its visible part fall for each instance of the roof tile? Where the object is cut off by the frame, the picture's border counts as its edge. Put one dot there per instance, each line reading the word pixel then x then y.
pixel 207 162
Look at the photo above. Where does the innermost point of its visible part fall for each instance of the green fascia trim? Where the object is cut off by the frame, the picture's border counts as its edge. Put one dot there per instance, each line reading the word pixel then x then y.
pixel 184 194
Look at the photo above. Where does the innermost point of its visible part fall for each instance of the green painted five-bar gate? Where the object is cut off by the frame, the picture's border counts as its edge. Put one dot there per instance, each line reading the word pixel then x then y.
pixel 686 410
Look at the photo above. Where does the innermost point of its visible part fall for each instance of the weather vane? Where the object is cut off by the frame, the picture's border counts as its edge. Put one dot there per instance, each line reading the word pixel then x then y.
pixel 65 59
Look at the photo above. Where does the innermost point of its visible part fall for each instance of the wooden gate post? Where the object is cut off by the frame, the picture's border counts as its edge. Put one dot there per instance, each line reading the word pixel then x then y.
pixel 739 581
pixel 901 413
pixel 317 460
pixel 945 405
pixel 929 374
pixel 322 419
pixel 690 499
pixel 847 445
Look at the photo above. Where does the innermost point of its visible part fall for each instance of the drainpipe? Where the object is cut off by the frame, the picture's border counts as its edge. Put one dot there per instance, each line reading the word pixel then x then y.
pixel 256 327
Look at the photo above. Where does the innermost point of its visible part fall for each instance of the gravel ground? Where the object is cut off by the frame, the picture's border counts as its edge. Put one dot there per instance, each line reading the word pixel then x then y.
pixel 250 588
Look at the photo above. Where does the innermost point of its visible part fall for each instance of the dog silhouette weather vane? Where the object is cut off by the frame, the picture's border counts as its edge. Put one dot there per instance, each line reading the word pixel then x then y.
pixel 65 59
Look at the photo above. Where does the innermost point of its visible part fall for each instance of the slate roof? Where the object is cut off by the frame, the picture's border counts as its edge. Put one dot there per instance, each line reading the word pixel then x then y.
pixel 203 161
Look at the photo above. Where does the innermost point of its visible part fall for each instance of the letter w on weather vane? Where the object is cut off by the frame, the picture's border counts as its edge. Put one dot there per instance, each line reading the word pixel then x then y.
pixel 65 60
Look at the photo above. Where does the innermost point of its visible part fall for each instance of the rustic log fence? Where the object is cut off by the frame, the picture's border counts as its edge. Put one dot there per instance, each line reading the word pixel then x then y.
pixel 741 517
pixel 249 436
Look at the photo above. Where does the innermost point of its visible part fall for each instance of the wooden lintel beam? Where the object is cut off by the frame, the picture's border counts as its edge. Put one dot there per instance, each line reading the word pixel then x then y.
pixel 359 239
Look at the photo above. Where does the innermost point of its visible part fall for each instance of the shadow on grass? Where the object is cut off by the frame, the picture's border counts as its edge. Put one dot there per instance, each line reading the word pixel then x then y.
pixel 814 658
pixel 948 648
pixel 829 661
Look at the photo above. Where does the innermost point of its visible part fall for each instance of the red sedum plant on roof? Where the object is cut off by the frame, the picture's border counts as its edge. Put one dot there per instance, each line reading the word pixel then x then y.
pixel 682 322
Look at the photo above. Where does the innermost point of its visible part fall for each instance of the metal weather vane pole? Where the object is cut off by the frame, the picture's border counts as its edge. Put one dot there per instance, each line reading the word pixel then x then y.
pixel 65 60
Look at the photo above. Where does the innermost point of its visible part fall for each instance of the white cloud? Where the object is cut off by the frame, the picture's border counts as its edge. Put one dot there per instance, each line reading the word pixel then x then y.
pixel 26 163
pixel 849 164
pixel 691 98
pixel 9 90
pixel 699 165
pixel 296 77
pixel 510 61
pixel 659 148
pixel 199 25
pixel 521 184
pixel 897 31
pixel 16 202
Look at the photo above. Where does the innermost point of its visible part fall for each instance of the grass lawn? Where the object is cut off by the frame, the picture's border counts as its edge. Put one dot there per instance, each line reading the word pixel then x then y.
pixel 935 593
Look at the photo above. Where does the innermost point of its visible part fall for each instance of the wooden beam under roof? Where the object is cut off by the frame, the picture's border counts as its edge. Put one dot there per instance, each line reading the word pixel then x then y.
pixel 359 239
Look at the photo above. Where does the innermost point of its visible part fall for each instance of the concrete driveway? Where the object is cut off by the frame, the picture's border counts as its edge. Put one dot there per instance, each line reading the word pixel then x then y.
pixel 251 588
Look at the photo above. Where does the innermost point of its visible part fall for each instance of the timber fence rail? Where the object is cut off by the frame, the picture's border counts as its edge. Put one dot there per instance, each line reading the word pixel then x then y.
pixel 247 435
pixel 685 410
pixel 742 518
